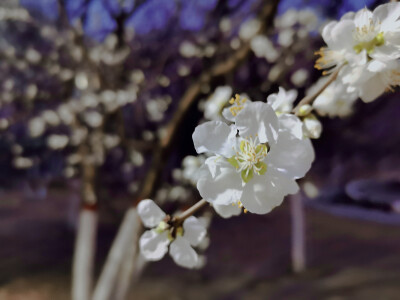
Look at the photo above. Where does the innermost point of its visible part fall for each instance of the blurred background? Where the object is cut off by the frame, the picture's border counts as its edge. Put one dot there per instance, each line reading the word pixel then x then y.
pixel 87 89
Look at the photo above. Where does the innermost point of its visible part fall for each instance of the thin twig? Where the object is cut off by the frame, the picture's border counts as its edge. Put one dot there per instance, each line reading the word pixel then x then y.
pixel 190 211
pixel 310 98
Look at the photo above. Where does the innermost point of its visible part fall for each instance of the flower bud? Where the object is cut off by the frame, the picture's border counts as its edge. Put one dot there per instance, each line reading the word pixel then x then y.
pixel 312 127
pixel 304 110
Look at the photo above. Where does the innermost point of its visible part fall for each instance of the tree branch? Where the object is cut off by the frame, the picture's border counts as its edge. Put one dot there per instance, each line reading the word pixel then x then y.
pixel 310 98
pixel 190 211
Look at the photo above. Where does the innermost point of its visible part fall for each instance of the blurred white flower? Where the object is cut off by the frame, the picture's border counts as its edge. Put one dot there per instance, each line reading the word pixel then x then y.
pixel 249 29
pixel 263 47
pixel 282 102
pixel 285 37
pixel 299 77
pixel 154 243
pixel 214 104
pixel 51 118
pixel 57 141
pixel 367 44
pixel 93 118
pixel 111 140
pixel 256 161
pixel 312 127
pixel 36 127
pixel 191 168
pixel 22 162
pixel 335 100
pixel 188 49
pixel 156 108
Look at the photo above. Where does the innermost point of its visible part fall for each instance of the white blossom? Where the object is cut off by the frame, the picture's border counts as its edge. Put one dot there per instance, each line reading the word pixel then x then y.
pixel 255 161
pixel 335 100
pixel 312 127
pixel 367 44
pixel 191 165
pixel 263 47
pixel 154 243
pixel 282 102
pixel 57 141
pixel 214 104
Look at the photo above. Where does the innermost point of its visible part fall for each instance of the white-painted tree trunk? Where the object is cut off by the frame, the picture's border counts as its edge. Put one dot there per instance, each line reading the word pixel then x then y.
pixel 82 268
pixel 116 259
pixel 131 268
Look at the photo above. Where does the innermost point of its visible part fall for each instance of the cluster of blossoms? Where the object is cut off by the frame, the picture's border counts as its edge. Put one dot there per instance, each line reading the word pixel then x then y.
pixel 252 153
pixel 253 160
pixel 365 45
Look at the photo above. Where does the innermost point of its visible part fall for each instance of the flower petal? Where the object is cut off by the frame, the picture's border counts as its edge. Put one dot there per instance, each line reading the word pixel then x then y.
pixel 263 193
pixel 362 18
pixel 292 124
pixel 283 100
pixel 291 155
pixel 194 231
pixel 341 36
pixel 388 15
pixel 153 245
pixel 183 254
pixel 219 183
pixel 258 118
pixel 326 32
pixel 386 52
pixel 227 211
pixel 215 137
pixel 150 213
pixel 376 66
pixel 372 89
pixel 348 16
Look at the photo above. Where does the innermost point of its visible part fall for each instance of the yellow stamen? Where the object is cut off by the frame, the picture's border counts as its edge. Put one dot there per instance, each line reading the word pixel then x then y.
pixel 237 104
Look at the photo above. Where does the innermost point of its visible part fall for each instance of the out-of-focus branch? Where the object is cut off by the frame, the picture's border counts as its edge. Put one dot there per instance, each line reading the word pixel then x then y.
pixel 190 96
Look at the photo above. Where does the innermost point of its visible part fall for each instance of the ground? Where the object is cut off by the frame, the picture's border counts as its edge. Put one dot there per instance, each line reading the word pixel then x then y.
pixel 248 257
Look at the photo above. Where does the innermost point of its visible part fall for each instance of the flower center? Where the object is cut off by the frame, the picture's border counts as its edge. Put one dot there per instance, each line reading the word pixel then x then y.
pixel 249 159
pixel 369 44
pixel 173 232
pixel 240 205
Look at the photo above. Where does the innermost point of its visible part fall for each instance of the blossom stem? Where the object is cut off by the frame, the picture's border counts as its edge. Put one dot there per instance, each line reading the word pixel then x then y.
pixel 310 98
pixel 190 211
